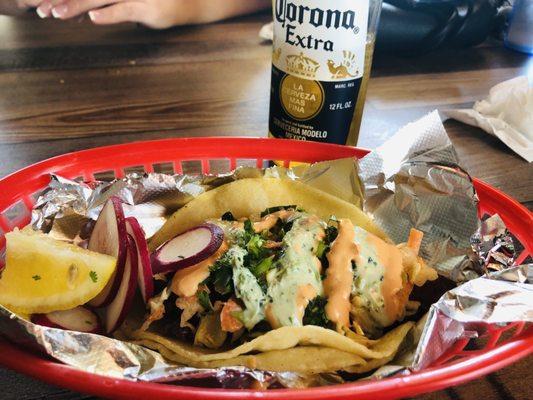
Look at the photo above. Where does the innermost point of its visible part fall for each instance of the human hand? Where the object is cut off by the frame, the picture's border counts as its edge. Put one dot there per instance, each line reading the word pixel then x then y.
pixel 152 13
pixel 157 14
pixel 14 7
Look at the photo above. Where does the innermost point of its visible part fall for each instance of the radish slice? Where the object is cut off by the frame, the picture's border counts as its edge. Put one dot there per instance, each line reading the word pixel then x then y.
pixel 187 249
pixel 145 276
pixel 79 319
pixel 109 237
pixel 117 310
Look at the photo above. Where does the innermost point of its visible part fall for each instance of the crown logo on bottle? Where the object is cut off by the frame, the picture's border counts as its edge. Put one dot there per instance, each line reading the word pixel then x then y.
pixel 301 65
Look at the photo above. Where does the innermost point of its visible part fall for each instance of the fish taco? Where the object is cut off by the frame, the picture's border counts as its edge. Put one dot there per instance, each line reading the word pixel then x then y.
pixel 279 276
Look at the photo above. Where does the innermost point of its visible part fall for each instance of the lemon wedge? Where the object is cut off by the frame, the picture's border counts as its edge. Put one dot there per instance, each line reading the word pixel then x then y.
pixel 44 275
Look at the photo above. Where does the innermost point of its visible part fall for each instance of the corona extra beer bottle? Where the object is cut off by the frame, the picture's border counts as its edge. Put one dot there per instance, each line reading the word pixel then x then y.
pixel 321 59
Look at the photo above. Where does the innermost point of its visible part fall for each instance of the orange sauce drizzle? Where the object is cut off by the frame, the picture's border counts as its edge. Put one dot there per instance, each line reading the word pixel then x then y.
pixel 270 220
pixel 339 276
pixel 185 281
pixel 391 258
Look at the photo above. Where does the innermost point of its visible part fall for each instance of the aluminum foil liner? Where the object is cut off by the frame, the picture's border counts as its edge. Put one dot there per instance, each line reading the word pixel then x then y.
pixel 119 359
pixel 412 181
pixel 415 180
pixel 493 245
pixel 66 208
pixel 500 298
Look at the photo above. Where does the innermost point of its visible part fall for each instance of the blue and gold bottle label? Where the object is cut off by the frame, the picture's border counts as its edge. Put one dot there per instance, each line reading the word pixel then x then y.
pixel 317 68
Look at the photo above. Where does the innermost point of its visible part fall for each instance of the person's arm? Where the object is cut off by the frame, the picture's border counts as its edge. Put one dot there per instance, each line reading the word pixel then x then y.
pixel 153 13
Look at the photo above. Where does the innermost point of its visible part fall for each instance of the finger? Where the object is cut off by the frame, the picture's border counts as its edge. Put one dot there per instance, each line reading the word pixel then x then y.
pixel 55 2
pixel 29 3
pixel 72 8
pixel 45 9
pixel 128 11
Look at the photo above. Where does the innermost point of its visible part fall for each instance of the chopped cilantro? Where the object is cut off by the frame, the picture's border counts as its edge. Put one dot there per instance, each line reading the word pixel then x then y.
pixel 260 269
pixel 321 249
pixel 253 243
pixel 279 230
pixel 223 281
pixel 255 246
pixel 221 275
pixel 331 234
pixel 203 299
pixel 248 228
pixel 36 277
pixel 325 245
pixel 372 261
pixel 258 258
pixel 93 276
pixel 315 313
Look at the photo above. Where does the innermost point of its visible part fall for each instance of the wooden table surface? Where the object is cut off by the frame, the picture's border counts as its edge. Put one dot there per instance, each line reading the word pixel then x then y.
pixel 66 86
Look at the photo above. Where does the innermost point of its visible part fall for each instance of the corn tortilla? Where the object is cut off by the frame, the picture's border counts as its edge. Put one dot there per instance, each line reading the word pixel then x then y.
pixel 247 197
pixel 309 359
pixel 286 349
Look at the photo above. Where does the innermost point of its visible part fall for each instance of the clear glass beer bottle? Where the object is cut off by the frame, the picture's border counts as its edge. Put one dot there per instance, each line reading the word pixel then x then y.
pixel 321 61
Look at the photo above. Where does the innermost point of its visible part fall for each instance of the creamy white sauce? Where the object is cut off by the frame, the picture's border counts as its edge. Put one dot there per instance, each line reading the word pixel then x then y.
pixel 292 285
pixel 247 289
pixel 379 285
pixel 298 268
pixel 232 229
pixel 368 277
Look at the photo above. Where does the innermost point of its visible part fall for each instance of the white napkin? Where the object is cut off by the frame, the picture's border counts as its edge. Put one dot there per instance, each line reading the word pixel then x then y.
pixel 507 113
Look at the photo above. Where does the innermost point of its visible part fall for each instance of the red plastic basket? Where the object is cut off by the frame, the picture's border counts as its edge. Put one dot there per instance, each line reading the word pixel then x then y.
pixel 20 190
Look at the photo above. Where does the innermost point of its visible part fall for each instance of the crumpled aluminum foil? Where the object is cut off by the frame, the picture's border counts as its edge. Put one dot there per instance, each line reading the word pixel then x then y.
pixel 415 180
pixel 66 208
pixel 412 181
pixel 467 311
pixel 493 245
pixel 119 359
